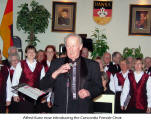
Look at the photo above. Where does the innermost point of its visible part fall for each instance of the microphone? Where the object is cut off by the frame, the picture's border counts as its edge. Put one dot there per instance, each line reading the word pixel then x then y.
pixel 70 64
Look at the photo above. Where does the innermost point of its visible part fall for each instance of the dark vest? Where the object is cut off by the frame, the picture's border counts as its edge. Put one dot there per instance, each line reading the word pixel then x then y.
pixel 120 78
pixel 3 80
pixel 108 74
pixel 29 77
pixel 138 91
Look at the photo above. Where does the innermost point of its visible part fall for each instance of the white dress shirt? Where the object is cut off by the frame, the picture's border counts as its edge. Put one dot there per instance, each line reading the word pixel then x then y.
pixel 49 95
pixel 48 63
pixel 106 68
pixel 18 72
pixel 114 86
pixel 126 88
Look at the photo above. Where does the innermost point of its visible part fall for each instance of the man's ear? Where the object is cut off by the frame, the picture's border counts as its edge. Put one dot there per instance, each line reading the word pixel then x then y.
pixel 81 45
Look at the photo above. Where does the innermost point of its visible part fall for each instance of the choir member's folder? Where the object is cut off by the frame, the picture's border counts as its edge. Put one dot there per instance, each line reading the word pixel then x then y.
pixel 34 93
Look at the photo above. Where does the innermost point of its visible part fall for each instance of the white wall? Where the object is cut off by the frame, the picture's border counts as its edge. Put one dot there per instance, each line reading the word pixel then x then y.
pixel 116 30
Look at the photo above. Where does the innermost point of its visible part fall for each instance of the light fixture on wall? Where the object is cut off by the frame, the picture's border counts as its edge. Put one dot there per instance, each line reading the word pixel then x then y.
pixel 66 1
pixel 143 2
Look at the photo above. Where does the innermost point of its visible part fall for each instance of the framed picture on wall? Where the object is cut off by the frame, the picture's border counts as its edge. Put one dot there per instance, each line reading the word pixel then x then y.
pixel 140 20
pixel 64 15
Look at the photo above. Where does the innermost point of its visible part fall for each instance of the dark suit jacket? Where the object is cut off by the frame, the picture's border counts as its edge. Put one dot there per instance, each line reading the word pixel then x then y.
pixel 90 80
pixel 113 68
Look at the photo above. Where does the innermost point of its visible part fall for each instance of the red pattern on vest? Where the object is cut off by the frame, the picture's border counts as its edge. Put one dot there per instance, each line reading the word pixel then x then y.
pixel 29 77
pixel 45 66
pixel 121 79
pixel 3 80
pixel 138 92
pixel 108 74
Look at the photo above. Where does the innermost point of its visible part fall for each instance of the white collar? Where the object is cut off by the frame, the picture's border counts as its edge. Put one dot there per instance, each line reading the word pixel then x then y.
pixel 31 63
pixel 125 72
pixel 12 68
pixel 48 63
pixel 141 73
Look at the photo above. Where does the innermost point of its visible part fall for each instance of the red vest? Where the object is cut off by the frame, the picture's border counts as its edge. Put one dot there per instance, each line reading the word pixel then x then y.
pixel 108 74
pixel 11 74
pixel 3 80
pixel 29 77
pixel 138 91
pixel 120 78
pixel 45 66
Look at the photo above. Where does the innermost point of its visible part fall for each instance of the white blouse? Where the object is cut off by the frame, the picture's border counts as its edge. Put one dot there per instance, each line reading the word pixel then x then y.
pixel 126 88
pixel 114 86
pixel 18 72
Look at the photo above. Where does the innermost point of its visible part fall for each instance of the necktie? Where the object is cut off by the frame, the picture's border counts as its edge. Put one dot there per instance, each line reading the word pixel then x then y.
pixel 74 81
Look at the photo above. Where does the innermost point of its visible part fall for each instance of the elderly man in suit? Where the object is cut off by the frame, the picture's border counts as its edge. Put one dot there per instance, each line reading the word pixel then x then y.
pixel 75 80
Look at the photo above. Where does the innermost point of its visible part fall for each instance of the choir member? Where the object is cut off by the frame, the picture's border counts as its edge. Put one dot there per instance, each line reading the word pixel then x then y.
pixel 130 61
pixel 117 82
pixel 13 60
pixel 147 65
pixel 106 60
pixel 27 71
pixel 11 50
pixel 40 56
pixel 85 52
pixel 114 65
pixel 3 81
pixel 50 52
pixel 137 86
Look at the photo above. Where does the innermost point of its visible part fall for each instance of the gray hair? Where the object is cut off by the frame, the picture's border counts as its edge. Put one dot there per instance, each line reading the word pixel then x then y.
pixel 11 55
pixel 73 35
pixel 13 47
pixel 147 58
pixel 115 53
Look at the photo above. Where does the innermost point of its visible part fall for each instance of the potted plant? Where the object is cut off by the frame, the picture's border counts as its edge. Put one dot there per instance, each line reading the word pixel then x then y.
pixel 134 52
pixel 32 20
pixel 99 43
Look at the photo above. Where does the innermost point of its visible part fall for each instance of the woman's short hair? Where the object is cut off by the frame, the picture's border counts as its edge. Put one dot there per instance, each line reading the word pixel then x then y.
pixel 30 47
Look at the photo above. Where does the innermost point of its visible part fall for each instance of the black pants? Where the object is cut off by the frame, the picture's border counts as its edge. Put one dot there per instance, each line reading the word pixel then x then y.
pixel 134 110
pixel 117 103
pixel 25 107
pixel 2 109
pixel 13 108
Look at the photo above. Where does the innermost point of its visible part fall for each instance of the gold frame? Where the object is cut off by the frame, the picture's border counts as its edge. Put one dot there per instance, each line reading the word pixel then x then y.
pixel 68 26
pixel 135 11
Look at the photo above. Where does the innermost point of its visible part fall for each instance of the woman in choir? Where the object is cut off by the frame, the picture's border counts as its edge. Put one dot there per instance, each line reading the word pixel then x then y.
pixel 137 86
pixel 50 54
pixel 104 76
pixel 3 81
pixel 28 71
pixel 40 56
pixel 117 82
pixel 130 61
pixel 13 59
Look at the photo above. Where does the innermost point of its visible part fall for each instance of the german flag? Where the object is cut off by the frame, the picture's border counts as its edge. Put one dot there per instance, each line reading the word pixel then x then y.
pixel 6 28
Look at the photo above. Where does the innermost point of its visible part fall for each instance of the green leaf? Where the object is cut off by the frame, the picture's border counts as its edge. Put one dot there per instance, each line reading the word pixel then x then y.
pixel 100 45
pixel 35 20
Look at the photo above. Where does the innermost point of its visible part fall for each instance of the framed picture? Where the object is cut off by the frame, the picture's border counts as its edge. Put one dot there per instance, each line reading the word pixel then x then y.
pixel 140 20
pixel 64 15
